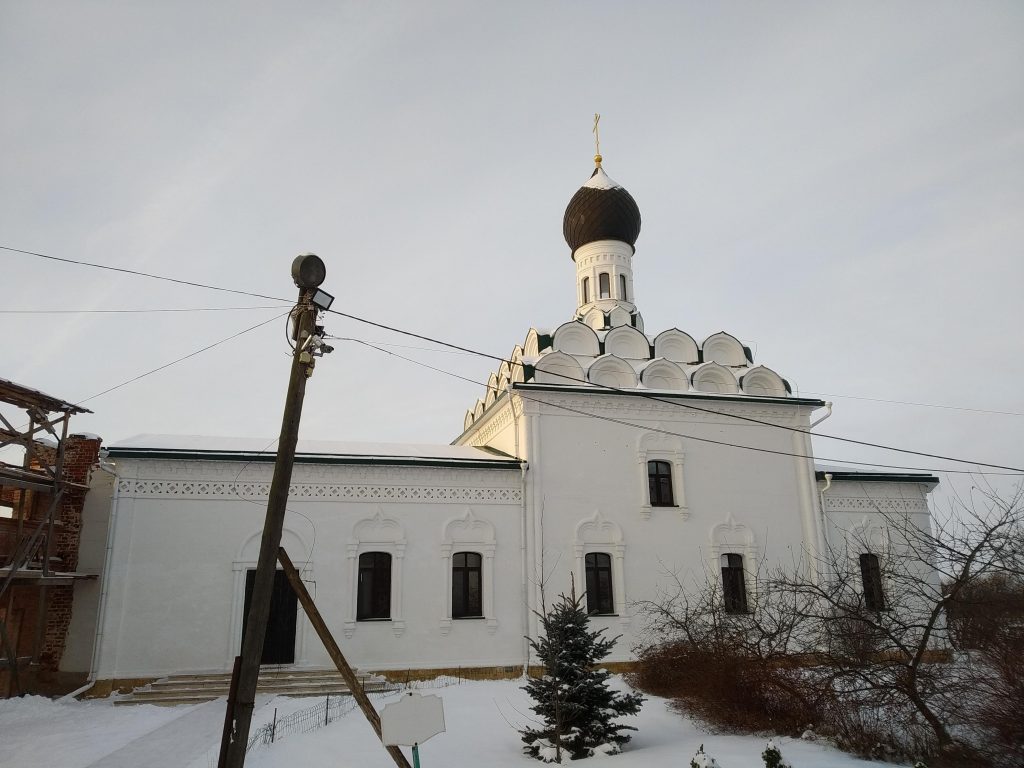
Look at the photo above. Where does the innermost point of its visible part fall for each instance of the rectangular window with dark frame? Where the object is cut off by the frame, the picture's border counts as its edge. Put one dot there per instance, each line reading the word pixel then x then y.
pixel 586 290
pixel 467 586
pixel 599 583
pixel 734 587
pixel 659 481
pixel 373 598
pixel 604 288
pixel 871 575
pixel 622 288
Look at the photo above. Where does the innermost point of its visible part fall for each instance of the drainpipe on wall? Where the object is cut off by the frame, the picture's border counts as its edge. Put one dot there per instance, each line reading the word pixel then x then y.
pixel 822 534
pixel 101 608
pixel 821 497
pixel 828 405
pixel 523 559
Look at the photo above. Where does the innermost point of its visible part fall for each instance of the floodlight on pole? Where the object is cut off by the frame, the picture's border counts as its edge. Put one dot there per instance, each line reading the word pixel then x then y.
pixel 321 299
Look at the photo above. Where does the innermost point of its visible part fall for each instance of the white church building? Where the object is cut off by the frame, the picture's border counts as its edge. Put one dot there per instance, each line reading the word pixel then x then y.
pixel 600 450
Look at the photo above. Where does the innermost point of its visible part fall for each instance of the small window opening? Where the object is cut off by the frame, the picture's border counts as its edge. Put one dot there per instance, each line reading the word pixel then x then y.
pixel 871 575
pixel 659 480
pixel 604 286
pixel 599 583
pixel 373 600
pixel 622 287
pixel 586 290
pixel 733 585
pixel 467 592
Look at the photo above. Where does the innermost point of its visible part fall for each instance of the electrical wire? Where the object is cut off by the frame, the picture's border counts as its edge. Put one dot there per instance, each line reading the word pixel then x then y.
pixel 128 311
pixel 761 422
pixel 668 432
pixel 138 273
pixel 181 359
pixel 919 405
pixel 423 337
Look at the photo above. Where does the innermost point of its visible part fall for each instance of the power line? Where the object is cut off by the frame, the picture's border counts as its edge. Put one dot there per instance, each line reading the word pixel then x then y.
pixel 649 428
pixel 820 394
pixel 129 311
pixel 422 337
pixel 919 405
pixel 181 359
pixel 137 273
pixel 676 404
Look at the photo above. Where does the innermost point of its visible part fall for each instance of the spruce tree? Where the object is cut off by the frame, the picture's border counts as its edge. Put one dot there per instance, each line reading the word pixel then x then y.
pixel 576 707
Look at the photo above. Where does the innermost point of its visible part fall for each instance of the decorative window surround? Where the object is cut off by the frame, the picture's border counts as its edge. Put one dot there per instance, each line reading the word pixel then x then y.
pixel 867 535
pixel 469 534
pixel 595 534
pixel 658 447
pixel 376 534
pixel 732 537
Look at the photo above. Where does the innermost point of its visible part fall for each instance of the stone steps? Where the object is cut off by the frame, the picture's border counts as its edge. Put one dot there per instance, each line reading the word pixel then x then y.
pixel 197 688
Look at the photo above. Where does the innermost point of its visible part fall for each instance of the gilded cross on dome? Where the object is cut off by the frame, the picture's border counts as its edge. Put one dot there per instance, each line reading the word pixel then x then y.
pixel 597 140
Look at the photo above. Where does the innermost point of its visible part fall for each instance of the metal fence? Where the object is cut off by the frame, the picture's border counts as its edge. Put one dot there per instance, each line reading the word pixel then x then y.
pixel 336 706
pixel 332 708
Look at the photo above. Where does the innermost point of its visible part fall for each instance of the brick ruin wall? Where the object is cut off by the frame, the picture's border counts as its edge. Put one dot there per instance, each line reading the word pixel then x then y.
pixel 80 456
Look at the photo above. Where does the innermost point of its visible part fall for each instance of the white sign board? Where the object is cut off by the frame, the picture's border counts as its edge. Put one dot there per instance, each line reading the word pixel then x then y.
pixel 411 720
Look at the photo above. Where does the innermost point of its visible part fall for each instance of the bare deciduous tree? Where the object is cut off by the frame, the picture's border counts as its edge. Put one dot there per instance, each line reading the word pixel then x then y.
pixel 867 625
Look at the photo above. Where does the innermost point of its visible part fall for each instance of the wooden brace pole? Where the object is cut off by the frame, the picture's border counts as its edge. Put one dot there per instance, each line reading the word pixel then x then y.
pixel 335 653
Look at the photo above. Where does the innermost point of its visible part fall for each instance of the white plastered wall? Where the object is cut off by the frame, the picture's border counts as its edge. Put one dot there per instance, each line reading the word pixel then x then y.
pixel 184 540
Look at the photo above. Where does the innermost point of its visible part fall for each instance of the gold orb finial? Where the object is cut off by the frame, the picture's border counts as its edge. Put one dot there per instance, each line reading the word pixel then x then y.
pixel 597 160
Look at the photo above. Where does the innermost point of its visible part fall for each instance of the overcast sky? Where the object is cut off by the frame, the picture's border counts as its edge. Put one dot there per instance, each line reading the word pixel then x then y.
pixel 840 185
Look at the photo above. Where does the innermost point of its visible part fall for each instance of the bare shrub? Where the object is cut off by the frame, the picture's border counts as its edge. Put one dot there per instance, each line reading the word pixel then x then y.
pixel 728 690
pixel 863 645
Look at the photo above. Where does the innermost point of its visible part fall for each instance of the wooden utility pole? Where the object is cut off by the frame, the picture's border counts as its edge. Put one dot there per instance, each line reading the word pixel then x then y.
pixel 308 272
pixel 349 675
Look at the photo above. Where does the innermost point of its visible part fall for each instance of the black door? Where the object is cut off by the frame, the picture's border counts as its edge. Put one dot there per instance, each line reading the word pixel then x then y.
pixel 279 641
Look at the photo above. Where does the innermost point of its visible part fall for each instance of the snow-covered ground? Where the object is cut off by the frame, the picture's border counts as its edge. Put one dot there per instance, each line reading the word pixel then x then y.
pixel 481 718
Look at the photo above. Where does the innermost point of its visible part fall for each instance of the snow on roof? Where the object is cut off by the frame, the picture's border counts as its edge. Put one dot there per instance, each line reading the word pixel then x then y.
pixel 601 180
pixel 837 469
pixel 256 445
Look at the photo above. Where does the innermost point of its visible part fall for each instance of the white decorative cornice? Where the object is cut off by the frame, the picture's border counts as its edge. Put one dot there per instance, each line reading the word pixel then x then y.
pixel 225 490
pixel 491 423
pixel 862 504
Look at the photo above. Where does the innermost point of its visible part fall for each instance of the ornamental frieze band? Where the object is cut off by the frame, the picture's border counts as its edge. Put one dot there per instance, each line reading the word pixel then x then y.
pixel 863 504
pixel 229 490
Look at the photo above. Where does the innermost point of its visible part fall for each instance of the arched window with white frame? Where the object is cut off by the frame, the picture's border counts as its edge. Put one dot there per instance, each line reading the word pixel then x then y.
pixel 467 556
pixel 600 559
pixel 376 552
pixel 660 458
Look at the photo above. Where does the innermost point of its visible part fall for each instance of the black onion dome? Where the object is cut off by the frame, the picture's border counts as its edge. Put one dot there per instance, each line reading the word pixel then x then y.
pixel 601 210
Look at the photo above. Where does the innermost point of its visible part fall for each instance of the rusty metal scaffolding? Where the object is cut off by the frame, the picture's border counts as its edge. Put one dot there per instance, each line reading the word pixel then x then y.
pixel 37 486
